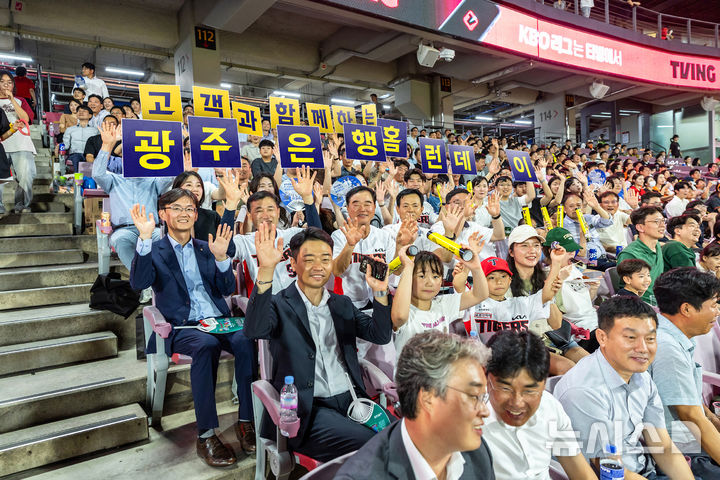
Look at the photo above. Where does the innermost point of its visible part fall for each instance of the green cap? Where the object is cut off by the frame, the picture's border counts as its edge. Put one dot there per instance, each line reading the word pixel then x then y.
pixel 561 237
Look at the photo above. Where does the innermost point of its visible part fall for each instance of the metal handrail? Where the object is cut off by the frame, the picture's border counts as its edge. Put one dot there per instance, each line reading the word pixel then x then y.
pixel 649 22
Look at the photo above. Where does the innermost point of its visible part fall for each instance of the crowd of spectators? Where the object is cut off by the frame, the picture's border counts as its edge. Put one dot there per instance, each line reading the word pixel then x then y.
pixel 528 293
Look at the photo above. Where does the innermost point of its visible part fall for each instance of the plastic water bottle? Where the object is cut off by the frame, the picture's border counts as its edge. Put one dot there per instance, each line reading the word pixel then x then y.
pixel 611 467
pixel 61 149
pixel 474 336
pixel 592 257
pixel 288 403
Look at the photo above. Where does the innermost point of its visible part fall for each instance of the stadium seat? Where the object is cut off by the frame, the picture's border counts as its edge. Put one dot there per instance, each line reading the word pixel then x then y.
pixel 158 362
pixel 551 382
pixel 612 280
pixel 707 354
pixel 327 471
pixel 556 471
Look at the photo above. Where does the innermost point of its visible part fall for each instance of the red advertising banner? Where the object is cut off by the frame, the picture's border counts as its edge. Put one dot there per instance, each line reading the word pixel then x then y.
pixel 512 30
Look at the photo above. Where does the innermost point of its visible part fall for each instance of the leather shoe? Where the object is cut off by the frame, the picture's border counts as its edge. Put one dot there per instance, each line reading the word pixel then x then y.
pixel 214 452
pixel 246 435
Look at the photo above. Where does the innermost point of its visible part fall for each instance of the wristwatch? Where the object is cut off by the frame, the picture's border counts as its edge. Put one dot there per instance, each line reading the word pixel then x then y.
pixel 380 294
pixel 495 218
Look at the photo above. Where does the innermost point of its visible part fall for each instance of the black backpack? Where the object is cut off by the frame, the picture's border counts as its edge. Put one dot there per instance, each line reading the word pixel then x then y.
pixel 111 293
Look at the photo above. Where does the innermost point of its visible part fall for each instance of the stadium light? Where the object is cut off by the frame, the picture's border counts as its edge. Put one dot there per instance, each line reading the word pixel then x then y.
pixel 125 71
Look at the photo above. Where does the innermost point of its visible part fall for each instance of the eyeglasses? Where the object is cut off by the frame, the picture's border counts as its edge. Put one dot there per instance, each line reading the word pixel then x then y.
pixel 507 391
pixel 477 399
pixel 178 209
pixel 657 222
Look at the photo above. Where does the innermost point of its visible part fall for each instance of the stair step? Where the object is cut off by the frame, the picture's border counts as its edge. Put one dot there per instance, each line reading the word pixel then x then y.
pixel 39 397
pixel 34 230
pixel 35 297
pixel 34 276
pixel 30 259
pixel 52 442
pixel 36 218
pixel 44 323
pixel 33 244
pixel 60 351
pixel 54 207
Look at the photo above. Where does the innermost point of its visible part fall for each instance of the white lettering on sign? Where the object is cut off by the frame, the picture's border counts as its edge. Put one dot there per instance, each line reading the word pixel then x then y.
pixel 567 46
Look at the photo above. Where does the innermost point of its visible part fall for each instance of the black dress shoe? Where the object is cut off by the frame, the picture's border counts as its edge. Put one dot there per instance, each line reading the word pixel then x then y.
pixel 246 435
pixel 214 452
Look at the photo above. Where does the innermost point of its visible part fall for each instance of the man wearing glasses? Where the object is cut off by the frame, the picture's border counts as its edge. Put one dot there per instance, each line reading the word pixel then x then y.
pixel 190 277
pixel 650 225
pixel 443 396
pixel 527 425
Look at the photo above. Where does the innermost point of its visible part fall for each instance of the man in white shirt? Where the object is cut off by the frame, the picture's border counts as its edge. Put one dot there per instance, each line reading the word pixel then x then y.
pixel 527 426
pixel 678 204
pixel 90 83
pixel 613 236
pixel 99 113
pixel 442 388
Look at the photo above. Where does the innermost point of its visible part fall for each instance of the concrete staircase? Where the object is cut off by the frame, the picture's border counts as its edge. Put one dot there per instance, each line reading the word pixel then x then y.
pixel 70 383
pixel 72 390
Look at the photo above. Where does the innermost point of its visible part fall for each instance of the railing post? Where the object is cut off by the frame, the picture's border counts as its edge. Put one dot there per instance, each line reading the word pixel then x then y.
pixel 607 11
pixel 577 7
pixel 717 36
pixel 659 32
pixel 689 22
pixel 634 18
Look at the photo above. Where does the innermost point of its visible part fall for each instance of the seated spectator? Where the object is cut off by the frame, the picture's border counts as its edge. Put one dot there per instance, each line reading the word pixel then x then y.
pixel 264 209
pixel 108 104
pixel 710 259
pixel 266 183
pixel 117 112
pixel 527 425
pixel 417 305
pixel 688 303
pixel 678 204
pixel 685 232
pixel 312 335
pixel 190 278
pixel 650 224
pixel 346 164
pixel 78 94
pixel 95 104
pixel 208 221
pixel 511 202
pixel 136 108
pixel 410 208
pixel 128 112
pixel 94 144
pixel 358 239
pixel 125 192
pixel 635 275
pixel 610 395
pixel 613 236
pixel 442 390
pixel 573 205
pixel 68 120
pixel 89 83
pixel 266 163
pixel 76 137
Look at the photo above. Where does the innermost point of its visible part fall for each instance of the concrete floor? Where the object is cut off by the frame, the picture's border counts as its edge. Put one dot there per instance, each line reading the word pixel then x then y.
pixel 170 454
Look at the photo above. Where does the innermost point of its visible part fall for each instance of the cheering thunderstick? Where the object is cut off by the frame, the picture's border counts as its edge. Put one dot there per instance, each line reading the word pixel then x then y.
pixel 450 245
pixel 395 264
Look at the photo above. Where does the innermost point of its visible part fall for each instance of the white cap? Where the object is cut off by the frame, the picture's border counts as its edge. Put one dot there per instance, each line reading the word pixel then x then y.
pixel 522 233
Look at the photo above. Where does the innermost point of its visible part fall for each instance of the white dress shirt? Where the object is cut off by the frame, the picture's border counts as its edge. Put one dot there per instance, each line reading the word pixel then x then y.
pixel 524 452
pixel 330 377
pixel 421 469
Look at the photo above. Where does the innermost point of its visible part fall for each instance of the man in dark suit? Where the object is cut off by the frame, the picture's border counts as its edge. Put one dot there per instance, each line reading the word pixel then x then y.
pixel 190 278
pixel 442 389
pixel 312 337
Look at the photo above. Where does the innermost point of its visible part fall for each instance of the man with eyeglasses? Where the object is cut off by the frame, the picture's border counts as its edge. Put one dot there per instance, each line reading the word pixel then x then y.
pixel 190 277
pixel 443 397
pixel 527 425
pixel 611 398
pixel 650 225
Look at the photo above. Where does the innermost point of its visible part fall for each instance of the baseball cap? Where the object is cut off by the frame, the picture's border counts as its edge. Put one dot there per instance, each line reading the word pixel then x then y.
pixel 494 264
pixel 522 233
pixel 563 238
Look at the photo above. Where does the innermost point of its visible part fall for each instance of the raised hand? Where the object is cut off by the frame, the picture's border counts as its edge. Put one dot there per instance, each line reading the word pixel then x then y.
pixel 493 204
pixel 560 257
pixel 453 218
pixel 353 232
pixel 143 223
pixel 405 260
pixel 244 193
pixel 304 183
pixel 276 152
pixel 393 188
pixel 228 182
pixel 327 159
pixel 380 191
pixel 445 189
pixel 582 177
pixel 407 233
pixel 219 245
pixel 494 166
pixel 540 173
pixel 108 133
pixel 591 199
pixel 632 197
pixel 318 193
pixel 269 252
pixel 476 242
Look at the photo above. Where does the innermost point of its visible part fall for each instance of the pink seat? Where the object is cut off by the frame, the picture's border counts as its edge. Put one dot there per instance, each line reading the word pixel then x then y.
pixel 707 354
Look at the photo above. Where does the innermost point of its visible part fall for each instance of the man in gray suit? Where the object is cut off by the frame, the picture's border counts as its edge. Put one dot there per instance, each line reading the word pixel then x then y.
pixel 442 389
